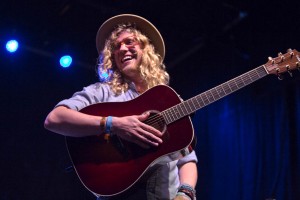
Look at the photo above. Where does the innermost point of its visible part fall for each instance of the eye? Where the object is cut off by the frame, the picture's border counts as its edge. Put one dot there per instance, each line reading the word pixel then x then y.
pixel 129 41
pixel 116 45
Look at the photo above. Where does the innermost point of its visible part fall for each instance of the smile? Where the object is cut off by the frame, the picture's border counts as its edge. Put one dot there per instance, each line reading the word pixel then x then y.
pixel 127 58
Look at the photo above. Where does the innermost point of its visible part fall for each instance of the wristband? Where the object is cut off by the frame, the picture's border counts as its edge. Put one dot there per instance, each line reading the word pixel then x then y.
pixel 108 125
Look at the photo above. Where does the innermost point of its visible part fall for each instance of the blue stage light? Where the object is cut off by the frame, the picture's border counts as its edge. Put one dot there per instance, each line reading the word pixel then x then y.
pixel 104 75
pixel 65 61
pixel 12 46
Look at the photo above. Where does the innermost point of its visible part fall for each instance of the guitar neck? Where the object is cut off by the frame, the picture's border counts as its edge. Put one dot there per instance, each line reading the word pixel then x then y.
pixel 195 103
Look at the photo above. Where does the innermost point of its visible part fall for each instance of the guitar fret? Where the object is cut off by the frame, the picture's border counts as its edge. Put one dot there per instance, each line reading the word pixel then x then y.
pixel 172 113
pixel 247 78
pixel 169 113
pixel 200 101
pixel 226 88
pixel 192 105
pixel 233 85
pixel 260 72
pixel 183 108
pixel 215 91
pixel 206 101
pixel 252 75
pixel 211 96
pixel 236 83
pixel 240 82
pixel 192 101
pixel 184 111
pixel 179 111
pixel 166 116
pixel 220 91
pixel 201 96
pixel 188 107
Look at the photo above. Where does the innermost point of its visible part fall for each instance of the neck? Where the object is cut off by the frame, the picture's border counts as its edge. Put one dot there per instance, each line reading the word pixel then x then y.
pixel 140 86
pixel 139 82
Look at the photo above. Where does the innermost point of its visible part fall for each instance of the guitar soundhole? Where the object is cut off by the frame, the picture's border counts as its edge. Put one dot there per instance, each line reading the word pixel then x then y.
pixel 156 120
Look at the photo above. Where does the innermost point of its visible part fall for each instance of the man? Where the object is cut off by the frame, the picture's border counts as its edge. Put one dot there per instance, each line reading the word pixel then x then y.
pixel 131 51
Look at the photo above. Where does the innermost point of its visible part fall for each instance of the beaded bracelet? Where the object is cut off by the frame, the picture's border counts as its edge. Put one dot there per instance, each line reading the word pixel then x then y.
pixel 188 190
pixel 102 124
pixel 108 125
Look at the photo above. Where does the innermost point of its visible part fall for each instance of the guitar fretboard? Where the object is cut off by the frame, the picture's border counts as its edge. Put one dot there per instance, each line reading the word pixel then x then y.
pixel 195 103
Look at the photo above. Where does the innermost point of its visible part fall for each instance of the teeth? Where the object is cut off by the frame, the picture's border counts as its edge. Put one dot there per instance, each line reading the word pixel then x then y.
pixel 126 58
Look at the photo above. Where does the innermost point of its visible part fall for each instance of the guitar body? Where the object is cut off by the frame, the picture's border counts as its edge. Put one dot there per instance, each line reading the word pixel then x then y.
pixel 110 166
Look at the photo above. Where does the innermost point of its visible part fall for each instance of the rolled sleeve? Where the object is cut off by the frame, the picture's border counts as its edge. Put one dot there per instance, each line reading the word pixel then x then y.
pixel 188 158
pixel 91 94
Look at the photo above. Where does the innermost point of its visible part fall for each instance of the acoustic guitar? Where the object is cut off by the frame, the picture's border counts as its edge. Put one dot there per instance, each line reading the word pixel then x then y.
pixel 109 166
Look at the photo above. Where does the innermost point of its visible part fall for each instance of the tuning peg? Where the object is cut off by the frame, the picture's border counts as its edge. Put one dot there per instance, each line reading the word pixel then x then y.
pixel 271 59
pixel 278 74
pixel 288 70
pixel 281 56
pixel 291 52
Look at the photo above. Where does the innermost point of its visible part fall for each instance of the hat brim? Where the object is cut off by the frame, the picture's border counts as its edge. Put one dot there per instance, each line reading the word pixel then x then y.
pixel 141 24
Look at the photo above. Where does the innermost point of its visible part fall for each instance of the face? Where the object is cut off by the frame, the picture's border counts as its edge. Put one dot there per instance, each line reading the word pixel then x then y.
pixel 127 54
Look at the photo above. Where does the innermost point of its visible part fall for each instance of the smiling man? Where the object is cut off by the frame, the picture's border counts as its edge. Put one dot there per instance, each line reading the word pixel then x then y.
pixel 132 51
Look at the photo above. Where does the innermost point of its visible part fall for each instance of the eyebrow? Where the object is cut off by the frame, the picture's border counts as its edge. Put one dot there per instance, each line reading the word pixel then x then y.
pixel 125 38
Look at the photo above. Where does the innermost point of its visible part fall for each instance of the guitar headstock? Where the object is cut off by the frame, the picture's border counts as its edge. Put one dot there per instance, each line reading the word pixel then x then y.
pixel 283 63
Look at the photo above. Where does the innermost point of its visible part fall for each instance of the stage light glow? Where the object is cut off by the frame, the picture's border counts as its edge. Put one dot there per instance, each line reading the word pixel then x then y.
pixel 12 46
pixel 104 75
pixel 65 61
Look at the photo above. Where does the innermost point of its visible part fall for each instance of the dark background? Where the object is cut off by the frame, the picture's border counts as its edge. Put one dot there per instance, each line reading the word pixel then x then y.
pixel 248 143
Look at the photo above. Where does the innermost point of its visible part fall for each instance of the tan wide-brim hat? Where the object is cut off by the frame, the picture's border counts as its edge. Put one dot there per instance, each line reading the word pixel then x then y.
pixel 143 25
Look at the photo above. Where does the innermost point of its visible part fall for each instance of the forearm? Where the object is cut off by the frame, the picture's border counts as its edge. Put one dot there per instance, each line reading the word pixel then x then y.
pixel 188 174
pixel 65 121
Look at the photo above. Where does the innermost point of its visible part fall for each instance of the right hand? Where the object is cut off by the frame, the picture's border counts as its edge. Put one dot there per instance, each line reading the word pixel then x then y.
pixel 132 129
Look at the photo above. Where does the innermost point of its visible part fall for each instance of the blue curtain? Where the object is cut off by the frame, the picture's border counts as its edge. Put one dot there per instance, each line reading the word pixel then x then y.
pixel 248 144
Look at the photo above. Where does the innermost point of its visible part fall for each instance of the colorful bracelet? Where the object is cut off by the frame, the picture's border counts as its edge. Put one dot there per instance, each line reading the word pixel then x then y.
pixel 108 125
pixel 188 190
pixel 102 124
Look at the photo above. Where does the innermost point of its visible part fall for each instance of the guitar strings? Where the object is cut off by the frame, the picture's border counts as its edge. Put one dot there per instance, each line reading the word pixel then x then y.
pixel 154 120
pixel 160 119
pixel 237 82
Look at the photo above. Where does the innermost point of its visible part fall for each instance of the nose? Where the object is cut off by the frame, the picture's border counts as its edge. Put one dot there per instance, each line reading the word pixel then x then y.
pixel 123 47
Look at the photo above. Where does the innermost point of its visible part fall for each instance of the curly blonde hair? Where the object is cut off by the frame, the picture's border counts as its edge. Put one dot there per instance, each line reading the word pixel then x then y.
pixel 151 69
